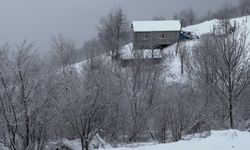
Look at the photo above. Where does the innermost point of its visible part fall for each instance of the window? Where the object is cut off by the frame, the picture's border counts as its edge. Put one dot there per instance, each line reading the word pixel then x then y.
pixel 162 36
pixel 144 36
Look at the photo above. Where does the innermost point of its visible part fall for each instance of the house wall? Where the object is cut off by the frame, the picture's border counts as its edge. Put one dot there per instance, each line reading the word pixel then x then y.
pixel 153 39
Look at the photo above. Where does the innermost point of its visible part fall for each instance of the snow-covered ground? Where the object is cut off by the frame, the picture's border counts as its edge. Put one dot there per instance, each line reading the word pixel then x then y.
pixel 172 61
pixel 127 52
pixel 218 140
pixel 96 143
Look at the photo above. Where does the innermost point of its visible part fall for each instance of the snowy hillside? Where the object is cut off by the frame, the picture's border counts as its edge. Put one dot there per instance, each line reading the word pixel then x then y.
pixel 174 73
pixel 202 28
pixel 218 140
pixel 207 26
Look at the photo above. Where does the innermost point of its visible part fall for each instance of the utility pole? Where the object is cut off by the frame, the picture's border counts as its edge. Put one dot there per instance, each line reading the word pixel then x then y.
pixel 178 41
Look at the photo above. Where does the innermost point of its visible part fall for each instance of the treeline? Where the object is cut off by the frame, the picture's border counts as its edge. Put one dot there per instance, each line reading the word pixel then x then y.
pixel 48 99
pixel 228 11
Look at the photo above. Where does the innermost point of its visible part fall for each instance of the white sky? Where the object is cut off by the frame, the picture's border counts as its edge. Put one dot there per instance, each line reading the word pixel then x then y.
pixel 40 20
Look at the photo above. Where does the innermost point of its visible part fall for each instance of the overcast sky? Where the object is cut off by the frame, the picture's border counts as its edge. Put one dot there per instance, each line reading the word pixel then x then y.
pixel 40 20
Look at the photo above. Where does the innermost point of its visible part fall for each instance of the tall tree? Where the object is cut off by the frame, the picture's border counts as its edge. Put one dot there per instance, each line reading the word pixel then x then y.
pixel 21 81
pixel 62 51
pixel 113 31
pixel 226 66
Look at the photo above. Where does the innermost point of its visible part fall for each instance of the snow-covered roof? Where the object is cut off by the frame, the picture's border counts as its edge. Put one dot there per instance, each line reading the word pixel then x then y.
pixel 154 26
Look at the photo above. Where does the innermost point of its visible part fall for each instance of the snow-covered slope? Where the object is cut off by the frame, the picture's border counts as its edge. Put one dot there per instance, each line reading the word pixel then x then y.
pixel 173 73
pixel 127 52
pixel 207 26
pixel 218 140
pixel 202 28
pixel 172 61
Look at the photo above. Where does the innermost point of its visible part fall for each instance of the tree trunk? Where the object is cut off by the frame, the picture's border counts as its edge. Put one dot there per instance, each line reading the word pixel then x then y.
pixel 231 113
pixel 13 140
pixel 27 128
pixel 163 134
pixel 182 64
pixel 84 144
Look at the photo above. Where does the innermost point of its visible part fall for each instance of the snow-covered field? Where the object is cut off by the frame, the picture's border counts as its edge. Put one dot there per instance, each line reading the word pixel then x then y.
pixel 218 140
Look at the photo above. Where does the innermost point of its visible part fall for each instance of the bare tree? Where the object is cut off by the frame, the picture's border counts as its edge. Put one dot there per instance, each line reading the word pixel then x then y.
pixel 159 18
pixel 21 77
pixel 142 88
pixel 162 113
pixel 8 110
pixel 62 51
pixel 227 11
pixel 233 65
pixel 183 55
pixel 113 31
pixel 244 6
pixel 226 66
pixel 187 15
pixel 93 47
pixel 81 99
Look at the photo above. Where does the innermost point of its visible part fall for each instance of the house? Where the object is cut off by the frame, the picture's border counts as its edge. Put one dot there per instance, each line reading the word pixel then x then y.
pixel 155 34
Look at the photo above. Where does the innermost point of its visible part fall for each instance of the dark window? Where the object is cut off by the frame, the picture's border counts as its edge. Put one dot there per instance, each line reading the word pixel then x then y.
pixel 162 36
pixel 144 36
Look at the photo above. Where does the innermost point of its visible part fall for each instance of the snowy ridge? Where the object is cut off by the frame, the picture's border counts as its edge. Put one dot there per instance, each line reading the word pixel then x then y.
pixel 207 26
pixel 202 28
